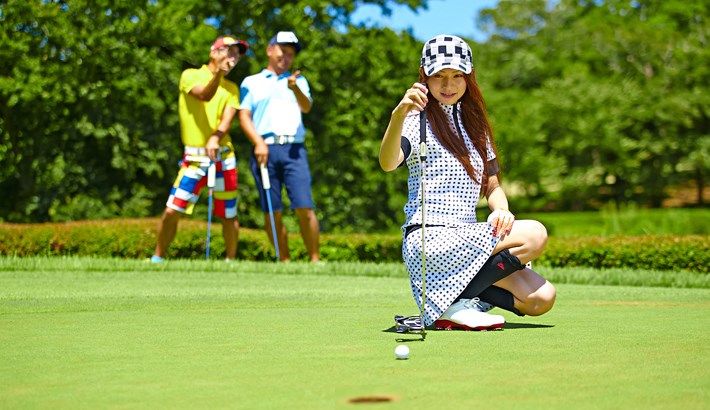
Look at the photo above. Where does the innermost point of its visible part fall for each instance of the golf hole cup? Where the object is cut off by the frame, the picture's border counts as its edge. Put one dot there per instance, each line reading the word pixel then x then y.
pixel 401 352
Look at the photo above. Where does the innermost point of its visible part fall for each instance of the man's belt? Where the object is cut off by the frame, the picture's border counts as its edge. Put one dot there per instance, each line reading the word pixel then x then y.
pixel 280 139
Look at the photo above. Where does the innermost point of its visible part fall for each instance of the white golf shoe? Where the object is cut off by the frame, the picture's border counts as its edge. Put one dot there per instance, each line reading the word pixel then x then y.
pixel 469 314
pixel 484 306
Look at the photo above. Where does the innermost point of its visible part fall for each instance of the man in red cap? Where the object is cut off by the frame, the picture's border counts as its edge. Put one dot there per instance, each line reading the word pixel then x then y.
pixel 207 105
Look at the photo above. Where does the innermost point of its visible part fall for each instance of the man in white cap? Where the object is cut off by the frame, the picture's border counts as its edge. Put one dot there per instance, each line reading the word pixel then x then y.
pixel 207 104
pixel 270 115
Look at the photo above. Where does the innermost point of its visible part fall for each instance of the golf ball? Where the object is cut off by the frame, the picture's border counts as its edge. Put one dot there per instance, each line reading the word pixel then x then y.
pixel 402 352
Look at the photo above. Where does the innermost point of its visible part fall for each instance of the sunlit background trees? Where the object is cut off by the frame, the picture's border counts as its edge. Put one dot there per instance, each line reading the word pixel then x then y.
pixel 594 103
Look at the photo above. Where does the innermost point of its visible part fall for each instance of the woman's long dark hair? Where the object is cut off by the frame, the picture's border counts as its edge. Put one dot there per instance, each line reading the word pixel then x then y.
pixel 475 121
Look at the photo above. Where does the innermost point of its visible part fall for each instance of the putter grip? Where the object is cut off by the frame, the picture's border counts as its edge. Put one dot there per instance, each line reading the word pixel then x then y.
pixel 211 171
pixel 265 181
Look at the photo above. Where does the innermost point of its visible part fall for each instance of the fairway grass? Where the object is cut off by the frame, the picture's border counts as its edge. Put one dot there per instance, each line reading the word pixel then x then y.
pixel 87 334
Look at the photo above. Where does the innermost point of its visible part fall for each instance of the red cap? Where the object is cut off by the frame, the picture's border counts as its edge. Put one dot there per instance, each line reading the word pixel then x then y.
pixel 229 41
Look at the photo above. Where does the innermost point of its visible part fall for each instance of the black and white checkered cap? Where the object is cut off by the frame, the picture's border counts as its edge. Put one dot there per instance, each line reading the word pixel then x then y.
pixel 446 51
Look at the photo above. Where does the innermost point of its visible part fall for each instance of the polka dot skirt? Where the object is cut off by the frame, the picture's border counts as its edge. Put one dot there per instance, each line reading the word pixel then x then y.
pixel 455 251
pixel 453 257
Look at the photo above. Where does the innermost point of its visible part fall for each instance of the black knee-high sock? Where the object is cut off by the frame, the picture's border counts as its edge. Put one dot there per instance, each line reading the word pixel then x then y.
pixel 499 297
pixel 497 267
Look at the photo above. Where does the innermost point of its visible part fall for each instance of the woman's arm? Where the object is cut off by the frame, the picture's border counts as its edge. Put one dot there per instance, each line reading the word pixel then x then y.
pixel 501 218
pixel 391 154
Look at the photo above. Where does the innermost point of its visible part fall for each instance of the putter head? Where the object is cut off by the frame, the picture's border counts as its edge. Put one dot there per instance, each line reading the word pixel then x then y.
pixel 408 324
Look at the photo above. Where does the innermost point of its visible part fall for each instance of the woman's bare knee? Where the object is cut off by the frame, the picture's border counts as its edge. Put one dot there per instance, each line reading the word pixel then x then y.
pixel 540 302
pixel 538 238
pixel 526 241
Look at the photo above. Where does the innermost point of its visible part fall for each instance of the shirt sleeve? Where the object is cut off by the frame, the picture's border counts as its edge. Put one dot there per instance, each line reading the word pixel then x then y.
pixel 492 166
pixel 410 134
pixel 406 149
pixel 489 149
pixel 302 83
pixel 246 97
pixel 188 80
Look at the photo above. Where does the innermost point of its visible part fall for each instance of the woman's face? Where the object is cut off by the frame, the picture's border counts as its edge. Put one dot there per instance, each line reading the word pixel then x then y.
pixel 447 85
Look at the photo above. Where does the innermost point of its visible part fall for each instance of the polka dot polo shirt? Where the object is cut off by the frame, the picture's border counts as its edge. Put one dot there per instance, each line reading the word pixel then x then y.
pixel 451 195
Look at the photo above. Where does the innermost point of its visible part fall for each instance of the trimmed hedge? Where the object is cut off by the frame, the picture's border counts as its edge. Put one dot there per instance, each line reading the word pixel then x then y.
pixel 135 238
pixel 660 252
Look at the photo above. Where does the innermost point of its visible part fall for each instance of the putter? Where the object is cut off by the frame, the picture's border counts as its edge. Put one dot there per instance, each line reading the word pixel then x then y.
pixel 211 174
pixel 415 324
pixel 266 184
pixel 422 161
pixel 204 161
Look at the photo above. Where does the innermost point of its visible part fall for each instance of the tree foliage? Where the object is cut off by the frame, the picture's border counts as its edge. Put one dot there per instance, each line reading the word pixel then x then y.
pixel 592 101
pixel 599 101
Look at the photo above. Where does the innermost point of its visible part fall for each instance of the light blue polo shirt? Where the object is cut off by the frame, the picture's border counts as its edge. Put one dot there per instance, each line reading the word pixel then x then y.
pixel 273 105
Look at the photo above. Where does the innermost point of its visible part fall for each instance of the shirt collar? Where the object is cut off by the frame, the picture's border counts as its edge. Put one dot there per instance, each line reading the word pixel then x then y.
pixel 269 74
pixel 449 109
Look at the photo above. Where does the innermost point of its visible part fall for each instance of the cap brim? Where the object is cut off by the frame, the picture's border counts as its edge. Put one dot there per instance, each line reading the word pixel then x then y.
pixel 239 44
pixel 435 68
pixel 297 46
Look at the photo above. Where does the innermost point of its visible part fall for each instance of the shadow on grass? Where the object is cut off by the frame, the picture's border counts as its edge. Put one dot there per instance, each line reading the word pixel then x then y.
pixel 508 326
pixel 411 338
pixel 511 325
pixel 406 337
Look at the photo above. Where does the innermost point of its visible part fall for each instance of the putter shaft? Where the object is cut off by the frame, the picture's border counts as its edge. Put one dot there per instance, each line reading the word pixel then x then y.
pixel 266 184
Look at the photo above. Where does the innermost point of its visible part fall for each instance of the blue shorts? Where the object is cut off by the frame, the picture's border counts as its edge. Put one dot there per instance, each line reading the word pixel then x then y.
pixel 288 166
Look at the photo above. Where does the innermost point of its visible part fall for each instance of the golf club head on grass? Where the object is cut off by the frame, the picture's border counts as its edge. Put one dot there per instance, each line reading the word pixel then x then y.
pixel 409 325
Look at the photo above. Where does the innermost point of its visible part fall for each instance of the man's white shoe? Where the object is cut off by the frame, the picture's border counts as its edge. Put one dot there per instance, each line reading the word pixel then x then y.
pixel 469 314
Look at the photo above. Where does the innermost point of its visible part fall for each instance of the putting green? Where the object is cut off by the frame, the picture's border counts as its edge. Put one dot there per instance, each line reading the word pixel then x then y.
pixel 237 338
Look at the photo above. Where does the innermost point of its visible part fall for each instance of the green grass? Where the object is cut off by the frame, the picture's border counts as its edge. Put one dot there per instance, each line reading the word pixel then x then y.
pixel 96 333
pixel 628 221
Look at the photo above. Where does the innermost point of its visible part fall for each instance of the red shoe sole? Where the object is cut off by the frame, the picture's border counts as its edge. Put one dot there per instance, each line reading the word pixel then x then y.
pixel 449 325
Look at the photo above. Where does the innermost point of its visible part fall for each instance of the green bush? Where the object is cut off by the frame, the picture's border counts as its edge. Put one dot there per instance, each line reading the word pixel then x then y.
pixel 662 252
pixel 135 238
